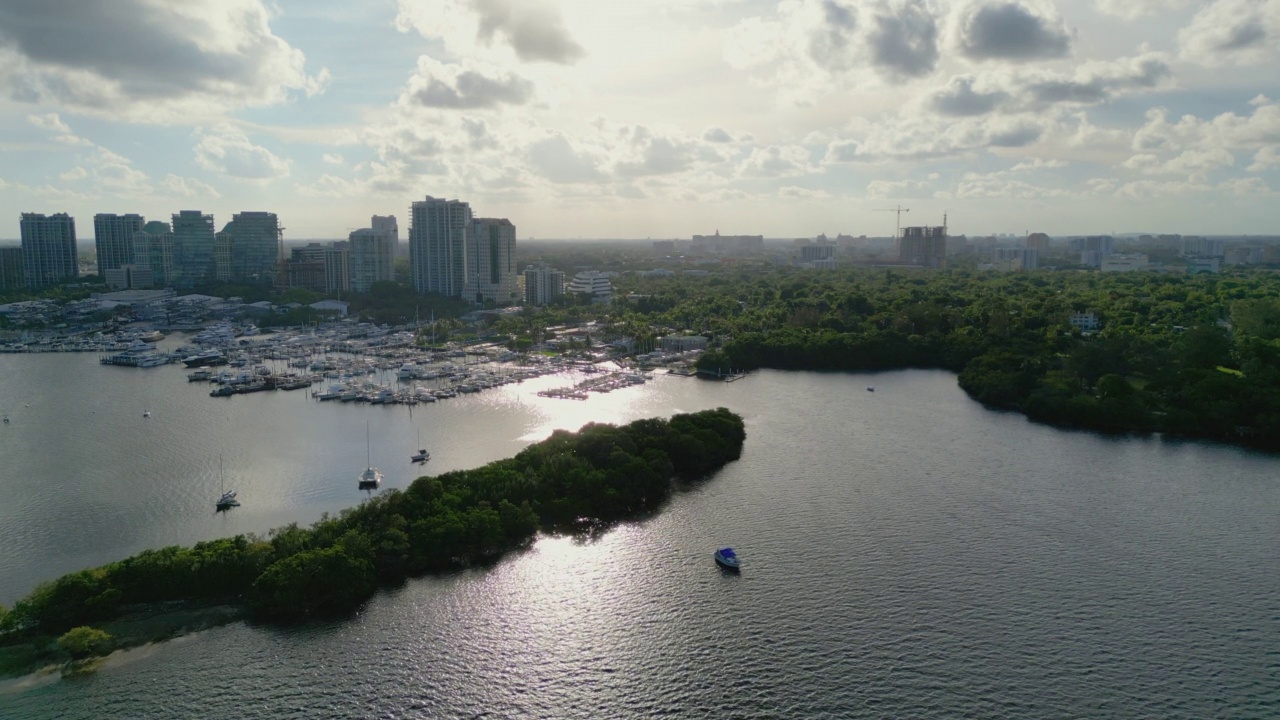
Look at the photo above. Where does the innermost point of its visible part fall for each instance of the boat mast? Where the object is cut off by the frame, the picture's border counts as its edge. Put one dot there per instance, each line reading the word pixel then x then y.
pixel 368 457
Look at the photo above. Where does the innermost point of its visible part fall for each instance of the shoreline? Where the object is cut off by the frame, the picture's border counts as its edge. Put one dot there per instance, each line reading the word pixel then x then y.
pixel 40 655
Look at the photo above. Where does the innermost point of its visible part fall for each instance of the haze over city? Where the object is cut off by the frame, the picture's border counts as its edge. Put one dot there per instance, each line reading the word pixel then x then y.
pixel 657 119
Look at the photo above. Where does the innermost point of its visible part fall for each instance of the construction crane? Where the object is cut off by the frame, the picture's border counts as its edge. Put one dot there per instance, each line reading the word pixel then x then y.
pixel 897 230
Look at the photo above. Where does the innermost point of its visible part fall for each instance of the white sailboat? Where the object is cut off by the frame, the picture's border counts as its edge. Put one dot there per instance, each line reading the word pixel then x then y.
pixel 371 478
pixel 228 499
pixel 422 455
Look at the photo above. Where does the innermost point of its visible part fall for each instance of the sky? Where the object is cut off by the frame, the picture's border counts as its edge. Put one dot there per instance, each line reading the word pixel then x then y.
pixel 650 118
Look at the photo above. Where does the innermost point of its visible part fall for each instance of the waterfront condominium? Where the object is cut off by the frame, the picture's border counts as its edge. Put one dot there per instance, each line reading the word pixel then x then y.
pixel 193 240
pixel 491 262
pixel 48 248
pixel 437 240
pixel 113 239
pixel 249 249
pixel 542 284
pixel 373 255
pixel 153 250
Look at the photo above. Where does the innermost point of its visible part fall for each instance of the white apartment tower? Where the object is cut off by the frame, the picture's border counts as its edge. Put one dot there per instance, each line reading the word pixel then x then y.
pixel 372 258
pixel 48 248
pixel 542 285
pixel 438 232
pixel 491 262
pixel 113 239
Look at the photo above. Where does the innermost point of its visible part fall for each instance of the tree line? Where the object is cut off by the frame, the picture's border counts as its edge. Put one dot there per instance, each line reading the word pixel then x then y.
pixel 570 482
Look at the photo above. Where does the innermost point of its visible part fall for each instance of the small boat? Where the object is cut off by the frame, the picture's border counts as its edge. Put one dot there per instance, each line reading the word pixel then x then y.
pixel 870 389
pixel 228 499
pixel 6 419
pixel 146 413
pixel 727 559
pixel 370 479
pixel 422 455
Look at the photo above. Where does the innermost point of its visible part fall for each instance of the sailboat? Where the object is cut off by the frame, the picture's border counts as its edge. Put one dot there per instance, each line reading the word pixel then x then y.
pixel 370 479
pixel 228 499
pixel 422 455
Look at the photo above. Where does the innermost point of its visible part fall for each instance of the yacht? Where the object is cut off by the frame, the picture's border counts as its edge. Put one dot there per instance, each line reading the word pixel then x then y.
pixel 203 373
pixel 208 358
pixel 370 479
pixel 727 559
pixel 422 455
pixel 228 499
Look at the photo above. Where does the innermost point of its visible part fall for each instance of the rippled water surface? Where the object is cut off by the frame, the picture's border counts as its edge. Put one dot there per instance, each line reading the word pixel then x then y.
pixel 906 554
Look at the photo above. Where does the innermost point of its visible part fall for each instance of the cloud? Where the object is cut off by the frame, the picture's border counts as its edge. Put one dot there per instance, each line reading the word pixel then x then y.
pixel 74 174
pixel 901 189
pixel 147 60
pixel 1265 159
pixel 807 44
pixel 53 123
pixel 776 161
pixel 960 100
pixel 917 137
pixel 188 188
pixel 1096 82
pixel 533 29
pixel 1133 9
pixel 454 87
pixel 1195 164
pixel 229 152
pixel 557 160
pixel 904 41
pixel 1015 30
pixel 1232 32
pixel 333 159
pixel 654 154
pixel 717 135
pixel 115 173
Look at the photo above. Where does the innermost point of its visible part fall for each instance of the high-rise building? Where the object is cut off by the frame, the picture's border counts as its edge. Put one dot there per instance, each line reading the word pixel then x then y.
pixel 373 255
pixel 48 248
pixel 10 268
pixel 193 241
pixel 153 250
pixel 925 246
pixel 437 243
pixel 113 239
pixel 1038 241
pixel 542 285
pixel 491 262
pixel 322 268
pixel 387 225
pixel 249 249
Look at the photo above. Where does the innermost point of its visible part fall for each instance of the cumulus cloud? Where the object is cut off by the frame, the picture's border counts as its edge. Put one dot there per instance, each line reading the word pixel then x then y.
pixel 959 99
pixel 901 189
pixel 1015 30
pixel 454 87
pixel 807 44
pixel 557 160
pixel 1265 159
pixel 74 174
pixel 1233 32
pixel 101 58
pixel 650 153
pixel 229 152
pixel 188 188
pixel 717 135
pixel 776 161
pixel 533 29
pixel 333 159
pixel 1196 164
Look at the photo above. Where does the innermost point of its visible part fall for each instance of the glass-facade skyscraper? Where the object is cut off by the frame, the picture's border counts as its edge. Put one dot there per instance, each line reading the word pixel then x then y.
pixel 113 239
pixel 48 248
pixel 192 248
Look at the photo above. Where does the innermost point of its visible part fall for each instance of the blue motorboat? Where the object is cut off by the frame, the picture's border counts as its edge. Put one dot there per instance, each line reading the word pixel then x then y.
pixel 727 559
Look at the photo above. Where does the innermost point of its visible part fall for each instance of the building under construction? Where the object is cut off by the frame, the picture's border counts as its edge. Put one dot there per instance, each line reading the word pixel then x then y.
pixel 924 246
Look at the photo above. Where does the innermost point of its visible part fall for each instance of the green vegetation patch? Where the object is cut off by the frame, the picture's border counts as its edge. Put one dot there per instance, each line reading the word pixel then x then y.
pixel 570 482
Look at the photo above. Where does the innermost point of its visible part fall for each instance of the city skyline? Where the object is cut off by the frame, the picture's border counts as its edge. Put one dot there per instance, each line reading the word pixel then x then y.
pixel 659 120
